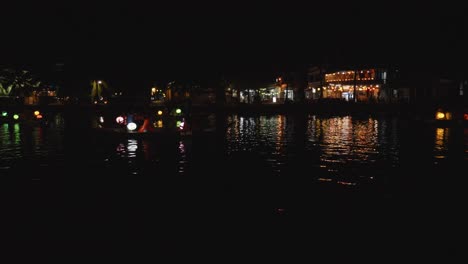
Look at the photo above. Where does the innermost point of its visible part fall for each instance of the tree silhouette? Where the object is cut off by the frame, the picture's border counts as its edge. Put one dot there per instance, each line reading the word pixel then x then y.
pixel 19 83
pixel 99 89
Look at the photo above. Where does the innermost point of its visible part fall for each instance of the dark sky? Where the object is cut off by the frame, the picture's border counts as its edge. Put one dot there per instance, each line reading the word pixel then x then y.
pixel 132 41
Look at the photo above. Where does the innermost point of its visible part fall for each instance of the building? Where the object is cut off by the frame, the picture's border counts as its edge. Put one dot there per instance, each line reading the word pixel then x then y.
pixel 288 87
pixel 315 80
pixel 368 84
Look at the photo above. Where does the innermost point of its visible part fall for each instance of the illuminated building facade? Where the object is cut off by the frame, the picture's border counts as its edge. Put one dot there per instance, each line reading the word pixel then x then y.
pixel 288 87
pixel 157 95
pixel 281 91
pixel 363 85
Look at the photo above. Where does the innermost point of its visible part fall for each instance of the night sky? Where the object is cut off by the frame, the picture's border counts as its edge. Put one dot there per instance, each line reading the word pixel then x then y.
pixel 135 44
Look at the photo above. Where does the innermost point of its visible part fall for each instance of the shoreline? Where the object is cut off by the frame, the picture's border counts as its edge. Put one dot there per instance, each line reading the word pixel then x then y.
pixel 426 110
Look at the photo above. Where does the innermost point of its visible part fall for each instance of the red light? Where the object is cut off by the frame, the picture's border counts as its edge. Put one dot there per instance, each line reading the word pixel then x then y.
pixel 39 116
pixel 465 116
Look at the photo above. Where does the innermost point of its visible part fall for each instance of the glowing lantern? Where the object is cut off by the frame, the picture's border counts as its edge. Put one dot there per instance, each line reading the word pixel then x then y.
pixel 15 116
pixel 39 116
pixel 131 126
pixel 440 115
pixel 36 113
pixel 160 112
pixel 178 111
pixel 101 119
pixel 465 116
pixel 119 120
pixel 4 113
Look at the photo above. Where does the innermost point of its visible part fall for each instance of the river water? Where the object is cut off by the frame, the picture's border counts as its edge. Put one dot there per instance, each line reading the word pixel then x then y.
pixel 259 180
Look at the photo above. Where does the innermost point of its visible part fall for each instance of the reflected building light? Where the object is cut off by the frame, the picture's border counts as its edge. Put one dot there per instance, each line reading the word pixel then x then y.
pixel 324 179
pixel 347 183
pixel 441 140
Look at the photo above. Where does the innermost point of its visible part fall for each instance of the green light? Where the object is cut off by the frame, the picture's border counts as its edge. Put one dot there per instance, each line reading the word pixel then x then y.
pixel 178 123
pixel 4 113
pixel 15 116
pixel 178 111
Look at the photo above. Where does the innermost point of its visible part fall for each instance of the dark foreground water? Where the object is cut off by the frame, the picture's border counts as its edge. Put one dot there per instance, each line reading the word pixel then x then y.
pixel 263 187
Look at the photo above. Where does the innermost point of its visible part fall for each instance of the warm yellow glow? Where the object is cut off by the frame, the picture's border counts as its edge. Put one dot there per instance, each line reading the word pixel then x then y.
pixel 325 179
pixel 160 112
pixel 158 124
pixel 36 113
pixel 440 115
pixel 448 116
pixel 153 90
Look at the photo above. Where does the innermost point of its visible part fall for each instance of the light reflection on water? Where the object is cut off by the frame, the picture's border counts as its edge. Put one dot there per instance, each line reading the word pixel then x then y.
pixel 182 158
pixel 36 142
pixel 339 145
pixel 441 142
pixel 344 149
pixel 346 144
pixel 146 155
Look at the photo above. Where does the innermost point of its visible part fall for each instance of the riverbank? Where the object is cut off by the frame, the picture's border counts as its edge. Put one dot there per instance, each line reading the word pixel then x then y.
pixel 418 111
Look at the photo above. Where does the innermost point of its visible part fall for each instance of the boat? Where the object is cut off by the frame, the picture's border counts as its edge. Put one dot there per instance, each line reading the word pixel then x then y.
pixel 154 123
pixel 448 118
